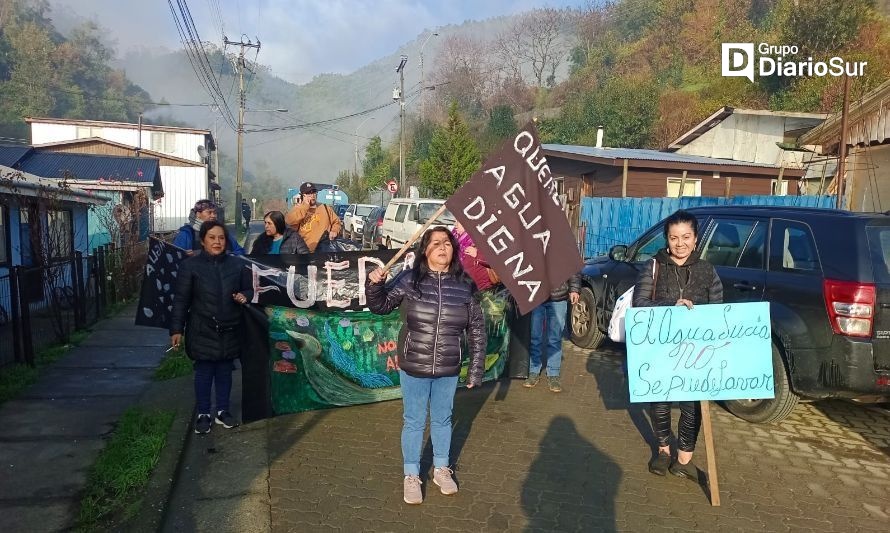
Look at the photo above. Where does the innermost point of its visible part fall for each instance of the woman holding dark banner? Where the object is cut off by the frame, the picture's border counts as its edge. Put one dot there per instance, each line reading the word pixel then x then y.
pixel 277 238
pixel 439 309
pixel 677 276
pixel 206 307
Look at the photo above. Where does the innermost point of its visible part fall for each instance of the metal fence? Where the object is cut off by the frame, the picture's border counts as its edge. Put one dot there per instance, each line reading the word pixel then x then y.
pixel 606 222
pixel 45 305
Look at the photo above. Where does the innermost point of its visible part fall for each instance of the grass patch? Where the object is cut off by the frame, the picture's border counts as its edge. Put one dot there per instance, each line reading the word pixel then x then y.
pixel 114 308
pixel 175 364
pixel 16 378
pixel 123 469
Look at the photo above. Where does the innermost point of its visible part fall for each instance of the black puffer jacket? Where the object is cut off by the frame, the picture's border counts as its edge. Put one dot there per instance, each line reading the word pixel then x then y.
pixel 696 280
pixel 573 284
pixel 203 307
pixel 435 320
pixel 291 243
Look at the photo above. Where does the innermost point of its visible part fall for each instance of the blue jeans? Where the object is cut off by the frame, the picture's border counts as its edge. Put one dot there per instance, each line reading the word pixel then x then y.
pixel 417 395
pixel 554 314
pixel 207 374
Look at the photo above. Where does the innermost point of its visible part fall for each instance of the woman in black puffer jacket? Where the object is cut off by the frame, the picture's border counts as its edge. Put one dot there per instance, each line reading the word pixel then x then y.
pixel 277 238
pixel 437 305
pixel 209 293
pixel 681 278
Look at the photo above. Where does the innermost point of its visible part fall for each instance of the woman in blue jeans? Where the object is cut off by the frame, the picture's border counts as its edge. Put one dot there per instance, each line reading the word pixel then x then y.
pixel 438 307
pixel 210 291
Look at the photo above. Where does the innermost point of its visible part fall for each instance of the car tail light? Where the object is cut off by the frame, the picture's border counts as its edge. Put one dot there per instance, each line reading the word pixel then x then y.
pixel 379 222
pixel 883 381
pixel 851 307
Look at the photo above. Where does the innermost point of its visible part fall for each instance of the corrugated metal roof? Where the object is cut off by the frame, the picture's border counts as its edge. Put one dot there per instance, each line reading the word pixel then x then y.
pixel 10 154
pixel 26 184
pixel 91 167
pixel 648 155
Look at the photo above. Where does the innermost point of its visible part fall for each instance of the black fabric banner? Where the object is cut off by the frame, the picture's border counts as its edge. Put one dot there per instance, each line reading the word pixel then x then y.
pixel 512 211
pixel 158 284
pixel 320 281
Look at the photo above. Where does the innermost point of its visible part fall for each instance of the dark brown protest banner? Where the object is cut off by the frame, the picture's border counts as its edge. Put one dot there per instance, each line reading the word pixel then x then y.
pixel 512 211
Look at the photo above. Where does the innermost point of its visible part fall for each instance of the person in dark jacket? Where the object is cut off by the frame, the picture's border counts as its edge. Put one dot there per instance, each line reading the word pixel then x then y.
pixel 681 278
pixel 246 212
pixel 207 303
pixel 277 238
pixel 438 307
pixel 550 316
pixel 187 238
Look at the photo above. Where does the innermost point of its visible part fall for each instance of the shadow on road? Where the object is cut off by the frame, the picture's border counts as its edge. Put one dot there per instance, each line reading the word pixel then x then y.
pixel 571 485
pixel 608 366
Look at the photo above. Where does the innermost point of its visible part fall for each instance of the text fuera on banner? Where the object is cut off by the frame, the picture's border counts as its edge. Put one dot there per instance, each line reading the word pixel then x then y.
pixel 711 352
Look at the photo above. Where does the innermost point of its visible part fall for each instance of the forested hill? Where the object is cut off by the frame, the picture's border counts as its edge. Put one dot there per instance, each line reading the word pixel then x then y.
pixel 649 69
pixel 43 73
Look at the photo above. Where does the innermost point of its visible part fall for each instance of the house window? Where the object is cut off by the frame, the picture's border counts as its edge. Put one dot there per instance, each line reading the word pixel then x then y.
pixel 60 233
pixel 4 235
pixel 163 142
pixel 692 187
pixel 777 190
pixel 85 132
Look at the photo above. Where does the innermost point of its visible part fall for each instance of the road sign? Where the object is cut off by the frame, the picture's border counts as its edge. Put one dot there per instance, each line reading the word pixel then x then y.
pixel 392 186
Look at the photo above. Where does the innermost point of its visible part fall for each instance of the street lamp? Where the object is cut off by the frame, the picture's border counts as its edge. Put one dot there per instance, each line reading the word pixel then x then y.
pixel 422 79
pixel 356 141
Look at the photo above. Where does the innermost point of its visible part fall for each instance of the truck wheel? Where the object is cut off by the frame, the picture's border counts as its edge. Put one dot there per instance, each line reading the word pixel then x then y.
pixel 770 410
pixel 585 331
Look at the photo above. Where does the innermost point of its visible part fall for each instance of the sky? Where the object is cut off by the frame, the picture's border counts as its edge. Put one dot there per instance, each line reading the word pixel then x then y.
pixel 300 38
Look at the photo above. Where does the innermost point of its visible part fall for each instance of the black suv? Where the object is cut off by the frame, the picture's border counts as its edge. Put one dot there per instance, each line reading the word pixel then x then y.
pixel 826 274
pixel 370 236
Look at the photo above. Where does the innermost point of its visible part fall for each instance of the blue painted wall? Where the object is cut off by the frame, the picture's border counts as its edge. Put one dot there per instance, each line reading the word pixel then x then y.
pixel 611 221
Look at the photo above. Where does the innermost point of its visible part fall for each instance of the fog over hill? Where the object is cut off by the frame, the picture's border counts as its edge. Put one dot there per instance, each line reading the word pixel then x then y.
pixel 318 152
pixel 295 153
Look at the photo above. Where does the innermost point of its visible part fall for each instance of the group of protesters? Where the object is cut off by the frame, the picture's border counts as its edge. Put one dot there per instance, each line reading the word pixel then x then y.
pixel 439 304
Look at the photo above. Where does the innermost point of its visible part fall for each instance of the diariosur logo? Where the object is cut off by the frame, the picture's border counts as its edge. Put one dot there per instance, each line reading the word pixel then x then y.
pixel 738 60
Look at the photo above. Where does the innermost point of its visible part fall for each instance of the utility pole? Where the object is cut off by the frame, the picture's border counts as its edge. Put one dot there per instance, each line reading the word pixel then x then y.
pixel 401 70
pixel 239 176
pixel 842 149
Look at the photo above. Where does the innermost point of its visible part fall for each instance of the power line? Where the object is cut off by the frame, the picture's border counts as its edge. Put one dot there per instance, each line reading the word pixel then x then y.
pixel 197 56
pixel 331 120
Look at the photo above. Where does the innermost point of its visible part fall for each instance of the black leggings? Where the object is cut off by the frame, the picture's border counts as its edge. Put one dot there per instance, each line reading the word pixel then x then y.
pixel 687 430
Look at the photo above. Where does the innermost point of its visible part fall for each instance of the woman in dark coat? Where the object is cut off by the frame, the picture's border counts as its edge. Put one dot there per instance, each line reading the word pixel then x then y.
pixel 210 291
pixel 278 238
pixel 681 278
pixel 436 300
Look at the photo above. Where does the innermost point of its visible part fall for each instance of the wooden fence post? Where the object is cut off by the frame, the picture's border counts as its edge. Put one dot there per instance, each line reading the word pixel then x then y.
pixel 624 181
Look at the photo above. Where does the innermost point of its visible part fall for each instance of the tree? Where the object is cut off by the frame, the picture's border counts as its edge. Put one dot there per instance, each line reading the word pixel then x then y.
pixel 535 42
pixel 355 186
pixel 465 64
pixel 453 157
pixel 626 108
pixel 378 166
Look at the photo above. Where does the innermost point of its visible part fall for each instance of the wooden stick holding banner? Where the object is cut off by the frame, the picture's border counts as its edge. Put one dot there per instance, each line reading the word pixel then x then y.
pixel 712 457
pixel 414 238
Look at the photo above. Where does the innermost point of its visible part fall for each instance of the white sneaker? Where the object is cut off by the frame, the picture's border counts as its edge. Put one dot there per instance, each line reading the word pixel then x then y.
pixel 413 494
pixel 442 478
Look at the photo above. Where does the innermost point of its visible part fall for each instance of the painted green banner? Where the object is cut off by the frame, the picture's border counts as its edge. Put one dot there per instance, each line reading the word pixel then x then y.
pixel 331 358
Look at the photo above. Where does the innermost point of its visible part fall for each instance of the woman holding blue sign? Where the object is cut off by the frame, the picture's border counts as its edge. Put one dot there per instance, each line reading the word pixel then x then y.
pixel 677 276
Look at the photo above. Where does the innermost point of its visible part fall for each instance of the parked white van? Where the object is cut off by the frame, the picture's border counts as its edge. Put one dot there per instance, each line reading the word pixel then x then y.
pixel 405 215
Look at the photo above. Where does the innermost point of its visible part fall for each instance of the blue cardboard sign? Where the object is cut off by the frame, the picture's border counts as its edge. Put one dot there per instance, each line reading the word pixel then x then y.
pixel 711 352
